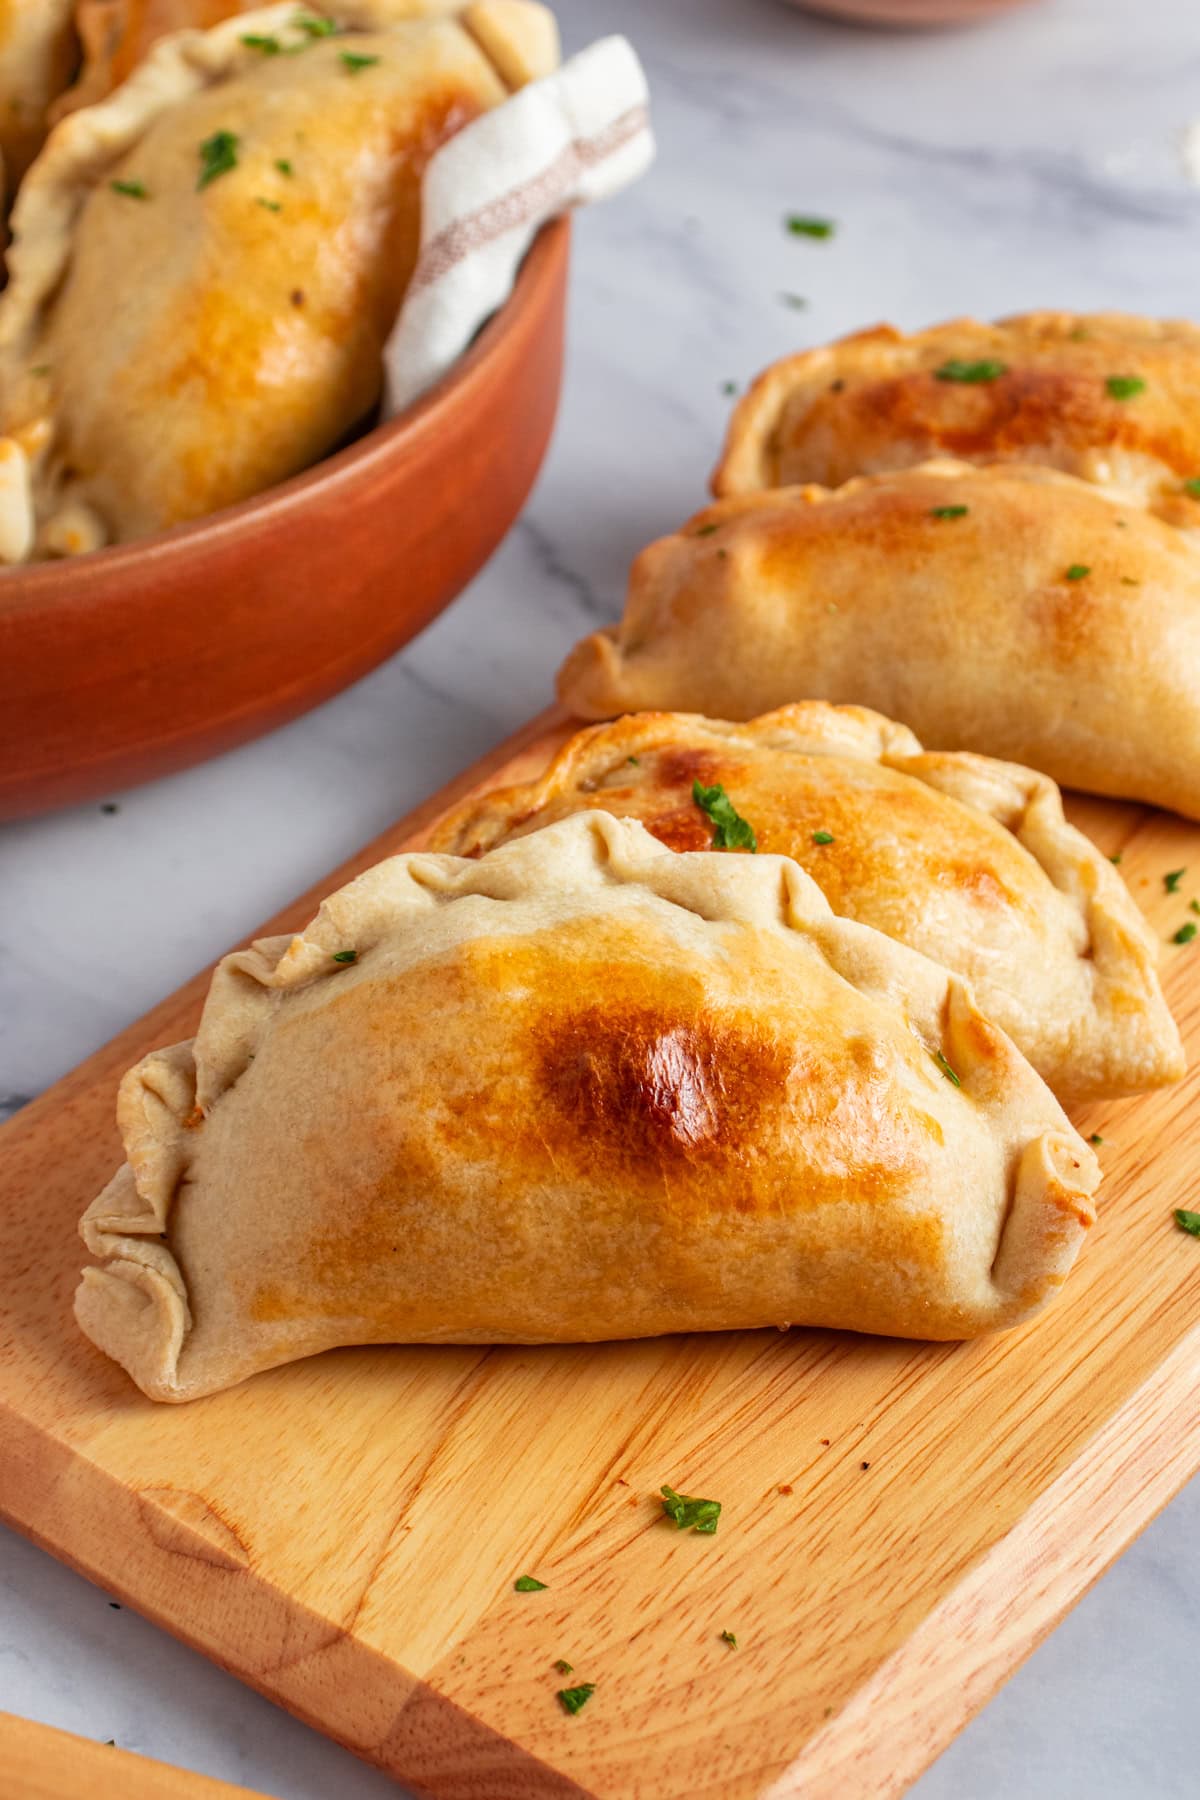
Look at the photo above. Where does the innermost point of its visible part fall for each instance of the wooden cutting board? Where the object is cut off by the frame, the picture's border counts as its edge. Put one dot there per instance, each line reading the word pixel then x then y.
pixel 40 1763
pixel 902 1522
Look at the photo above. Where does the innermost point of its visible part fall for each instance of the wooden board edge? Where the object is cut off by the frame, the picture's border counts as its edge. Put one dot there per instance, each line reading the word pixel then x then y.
pixel 315 1667
pixel 1005 1604
pixel 40 1762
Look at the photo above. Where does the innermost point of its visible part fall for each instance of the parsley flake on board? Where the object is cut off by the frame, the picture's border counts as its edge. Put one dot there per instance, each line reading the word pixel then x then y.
pixel 983 370
pixel 730 1638
pixel 804 225
pixel 1116 858
pixel 1124 387
pixel 690 1514
pixel 576 1698
pixel 1194 906
pixel 526 1584
pixel 1171 882
pixel 564 1667
pixel 940 1059
pixel 948 512
pixel 1095 1138
pixel 254 40
pixel 730 830
pixel 1188 1221
pixel 729 387
pixel 284 166
pixel 1077 571
pixel 823 837
pixel 345 956
pixel 218 154
pixel 132 190
pixel 1185 934
pixel 355 64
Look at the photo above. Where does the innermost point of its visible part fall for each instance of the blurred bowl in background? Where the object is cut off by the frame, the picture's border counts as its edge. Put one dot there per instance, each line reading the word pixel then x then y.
pixel 125 664
pixel 909 14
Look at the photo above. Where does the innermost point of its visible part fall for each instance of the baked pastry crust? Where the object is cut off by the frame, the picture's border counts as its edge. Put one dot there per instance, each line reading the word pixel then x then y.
pixel 578 1089
pixel 255 305
pixel 967 860
pixel 1013 611
pixel 873 401
pixel 38 53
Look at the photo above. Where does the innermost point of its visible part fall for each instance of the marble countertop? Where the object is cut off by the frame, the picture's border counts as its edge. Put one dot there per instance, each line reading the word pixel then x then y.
pixel 1031 162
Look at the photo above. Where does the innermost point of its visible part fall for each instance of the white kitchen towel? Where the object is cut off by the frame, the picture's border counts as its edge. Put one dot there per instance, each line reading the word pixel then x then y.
pixel 579 135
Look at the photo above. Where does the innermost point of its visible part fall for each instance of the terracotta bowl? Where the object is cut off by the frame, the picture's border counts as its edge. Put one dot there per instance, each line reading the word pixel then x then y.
pixel 147 657
pixel 909 13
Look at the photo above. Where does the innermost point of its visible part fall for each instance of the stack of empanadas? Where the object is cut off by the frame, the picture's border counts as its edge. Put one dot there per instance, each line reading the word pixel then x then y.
pixel 253 194
pixel 719 1024
pixel 38 54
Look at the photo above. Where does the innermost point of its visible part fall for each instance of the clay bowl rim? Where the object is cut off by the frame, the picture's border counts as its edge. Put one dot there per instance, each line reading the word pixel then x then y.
pixel 64 582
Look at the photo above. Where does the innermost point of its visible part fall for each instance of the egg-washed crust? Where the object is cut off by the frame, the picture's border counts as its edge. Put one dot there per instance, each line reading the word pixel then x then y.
pixel 579 1088
pixel 117 34
pixel 1036 918
pixel 1011 610
pixel 873 401
pixel 518 38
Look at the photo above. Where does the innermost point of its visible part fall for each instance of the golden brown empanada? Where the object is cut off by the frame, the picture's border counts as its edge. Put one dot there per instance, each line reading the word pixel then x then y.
pixel 117 34
pixel 38 53
pixel 1110 397
pixel 258 214
pixel 1013 611
pixel 581 1088
pixel 968 860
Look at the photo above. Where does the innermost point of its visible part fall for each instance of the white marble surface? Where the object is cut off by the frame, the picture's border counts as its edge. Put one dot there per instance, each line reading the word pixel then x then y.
pixel 1027 163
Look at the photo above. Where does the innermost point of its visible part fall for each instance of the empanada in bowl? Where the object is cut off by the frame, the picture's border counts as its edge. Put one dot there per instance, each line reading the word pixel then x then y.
pixel 38 53
pixel 1010 610
pixel 252 195
pixel 1113 398
pixel 968 860
pixel 581 1088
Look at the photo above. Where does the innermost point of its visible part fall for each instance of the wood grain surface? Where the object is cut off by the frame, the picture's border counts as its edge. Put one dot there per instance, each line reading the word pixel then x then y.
pixel 902 1522
pixel 39 1763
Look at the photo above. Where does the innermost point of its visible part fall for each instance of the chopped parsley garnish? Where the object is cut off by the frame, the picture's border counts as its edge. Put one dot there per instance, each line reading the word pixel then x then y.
pixel 804 225
pixel 1188 1221
pixel 1171 882
pixel 948 512
pixel 1128 581
pixel 218 154
pixel 729 387
pixel 315 27
pixel 940 1059
pixel 958 370
pixel 526 1584
pixel 40 369
pixel 705 530
pixel 132 190
pixel 564 1667
pixel 1185 934
pixel 576 1698
pixel 635 760
pixel 1095 1138
pixel 1077 571
pixel 729 1637
pixel 797 302
pixel 730 830
pixel 1079 335
pixel 690 1514
pixel 270 205
pixel 1193 487
pixel 345 956
pixel 1116 858
pixel 1194 906
pixel 356 63
pixel 823 837
pixel 254 40
pixel 1124 387
pixel 284 166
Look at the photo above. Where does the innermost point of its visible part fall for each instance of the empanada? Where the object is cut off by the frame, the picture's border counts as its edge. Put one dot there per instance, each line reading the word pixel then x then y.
pixel 968 860
pixel 581 1088
pixel 117 34
pixel 38 53
pixel 1010 610
pixel 1110 397
pixel 258 211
